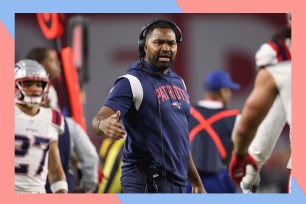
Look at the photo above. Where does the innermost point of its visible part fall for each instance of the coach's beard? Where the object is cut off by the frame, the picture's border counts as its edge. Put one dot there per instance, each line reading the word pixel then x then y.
pixel 162 61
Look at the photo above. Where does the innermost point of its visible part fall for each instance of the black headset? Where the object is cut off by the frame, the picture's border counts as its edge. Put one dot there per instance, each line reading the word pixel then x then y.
pixel 143 34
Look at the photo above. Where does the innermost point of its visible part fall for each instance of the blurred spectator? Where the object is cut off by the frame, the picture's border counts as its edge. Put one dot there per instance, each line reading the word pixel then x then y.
pixel 47 57
pixel 211 125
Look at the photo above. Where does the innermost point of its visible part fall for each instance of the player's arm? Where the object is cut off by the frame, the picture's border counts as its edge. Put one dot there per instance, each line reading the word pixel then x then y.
pixel 255 109
pixel 268 133
pixel 56 174
pixel 263 144
pixel 194 177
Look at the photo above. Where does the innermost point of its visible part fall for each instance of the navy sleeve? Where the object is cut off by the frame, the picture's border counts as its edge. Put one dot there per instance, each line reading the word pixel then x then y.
pixel 120 97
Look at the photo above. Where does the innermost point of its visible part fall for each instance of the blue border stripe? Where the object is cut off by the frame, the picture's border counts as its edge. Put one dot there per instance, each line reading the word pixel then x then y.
pixel 9 8
pixel 297 197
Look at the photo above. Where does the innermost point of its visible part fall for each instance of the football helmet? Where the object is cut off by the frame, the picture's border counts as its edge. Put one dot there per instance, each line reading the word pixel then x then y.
pixel 30 70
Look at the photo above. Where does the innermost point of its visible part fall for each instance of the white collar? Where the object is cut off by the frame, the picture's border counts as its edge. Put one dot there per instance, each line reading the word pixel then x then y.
pixel 210 104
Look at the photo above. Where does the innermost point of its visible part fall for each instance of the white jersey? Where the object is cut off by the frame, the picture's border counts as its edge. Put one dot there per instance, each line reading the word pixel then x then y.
pixel 33 135
pixel 52 98
pixel 276 58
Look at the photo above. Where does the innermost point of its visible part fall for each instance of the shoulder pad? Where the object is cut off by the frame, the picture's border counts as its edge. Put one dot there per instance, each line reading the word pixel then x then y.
pixel 58 120
pixel 272 53
pixel 137 89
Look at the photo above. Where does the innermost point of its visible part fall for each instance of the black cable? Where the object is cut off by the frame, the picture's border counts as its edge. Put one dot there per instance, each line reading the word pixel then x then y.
pixel 160 118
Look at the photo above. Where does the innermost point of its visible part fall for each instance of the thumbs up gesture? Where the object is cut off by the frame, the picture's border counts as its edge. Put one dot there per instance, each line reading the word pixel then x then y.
pixel 116 116
pixel 111 126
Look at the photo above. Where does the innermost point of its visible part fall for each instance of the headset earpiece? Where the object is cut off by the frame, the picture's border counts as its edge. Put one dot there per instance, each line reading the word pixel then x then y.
pixel 143 34
pixel 141 42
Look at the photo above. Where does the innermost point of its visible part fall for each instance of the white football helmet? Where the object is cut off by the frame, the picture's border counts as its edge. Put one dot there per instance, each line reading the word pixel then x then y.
pixel 30 70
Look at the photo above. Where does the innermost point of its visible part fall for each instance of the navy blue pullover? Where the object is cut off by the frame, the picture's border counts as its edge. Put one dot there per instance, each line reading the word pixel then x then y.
pixel 153 134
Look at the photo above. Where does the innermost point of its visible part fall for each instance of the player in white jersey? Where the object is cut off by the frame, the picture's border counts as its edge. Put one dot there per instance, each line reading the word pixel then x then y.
pixel 36 132
pixel 82 151
pixel 272 86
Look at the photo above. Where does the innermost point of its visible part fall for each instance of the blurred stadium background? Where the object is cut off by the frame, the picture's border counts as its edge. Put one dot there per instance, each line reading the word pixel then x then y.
pixel 210 41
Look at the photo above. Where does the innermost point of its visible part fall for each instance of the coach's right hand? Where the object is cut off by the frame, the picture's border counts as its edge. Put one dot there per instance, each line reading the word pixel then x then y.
pixel 111 127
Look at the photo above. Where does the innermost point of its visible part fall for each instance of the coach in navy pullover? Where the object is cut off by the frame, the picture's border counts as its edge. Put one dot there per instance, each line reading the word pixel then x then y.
pixel 153 104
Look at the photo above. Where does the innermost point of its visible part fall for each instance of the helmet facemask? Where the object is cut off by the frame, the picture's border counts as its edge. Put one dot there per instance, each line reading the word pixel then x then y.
pixel 26 97
pixel 27 71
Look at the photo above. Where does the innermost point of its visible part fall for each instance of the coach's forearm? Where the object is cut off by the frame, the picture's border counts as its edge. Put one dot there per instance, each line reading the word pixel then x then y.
pixel 96 122
pixel 193 175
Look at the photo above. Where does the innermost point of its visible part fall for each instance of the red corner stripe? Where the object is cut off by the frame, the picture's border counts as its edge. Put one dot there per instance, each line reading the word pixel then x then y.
pixel 206 125
pixel 56 117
